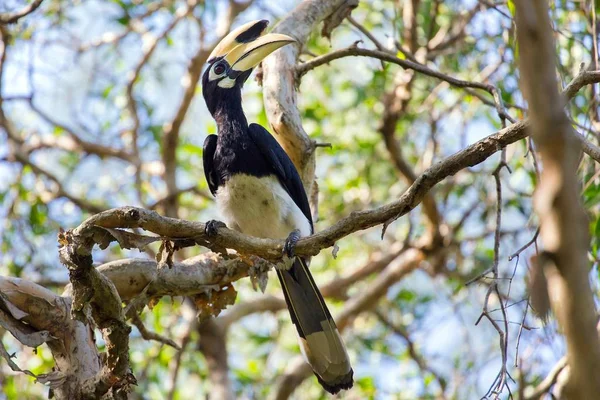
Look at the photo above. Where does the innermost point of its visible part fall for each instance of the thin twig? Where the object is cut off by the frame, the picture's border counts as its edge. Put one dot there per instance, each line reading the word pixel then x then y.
pixel 407 64
pixel 149 335
pixel 412 351
pixel 525 246
pixel 521 327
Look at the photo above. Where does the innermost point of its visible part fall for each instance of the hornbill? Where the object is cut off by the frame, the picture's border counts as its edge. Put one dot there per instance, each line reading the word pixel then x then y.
pixel 259 192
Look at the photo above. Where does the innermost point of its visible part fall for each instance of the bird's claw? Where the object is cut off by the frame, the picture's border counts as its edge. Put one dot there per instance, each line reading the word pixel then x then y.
pixel 290 243
pixel 212 227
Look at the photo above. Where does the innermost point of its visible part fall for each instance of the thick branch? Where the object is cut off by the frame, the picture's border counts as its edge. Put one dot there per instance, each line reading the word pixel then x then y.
pixel 94 295
pixel 195 275
pixel 130 217
pixel 279 88
pixel 73 349
pixel 563 221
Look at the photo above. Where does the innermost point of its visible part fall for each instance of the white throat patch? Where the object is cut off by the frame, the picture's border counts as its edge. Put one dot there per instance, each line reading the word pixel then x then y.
pixel 226 83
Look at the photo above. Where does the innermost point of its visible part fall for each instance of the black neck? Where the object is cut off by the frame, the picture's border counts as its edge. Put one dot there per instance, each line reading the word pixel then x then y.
pixel 228 112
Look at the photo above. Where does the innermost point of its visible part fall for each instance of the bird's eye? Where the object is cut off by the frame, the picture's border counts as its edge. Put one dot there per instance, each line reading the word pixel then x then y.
pixel 219 69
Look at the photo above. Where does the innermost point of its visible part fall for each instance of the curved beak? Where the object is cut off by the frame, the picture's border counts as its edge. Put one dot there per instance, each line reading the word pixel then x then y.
pixel 245 47
pixel 244 34
pixel 246 56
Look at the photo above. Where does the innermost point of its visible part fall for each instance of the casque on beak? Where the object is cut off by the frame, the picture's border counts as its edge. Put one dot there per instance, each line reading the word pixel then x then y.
pixel 245 47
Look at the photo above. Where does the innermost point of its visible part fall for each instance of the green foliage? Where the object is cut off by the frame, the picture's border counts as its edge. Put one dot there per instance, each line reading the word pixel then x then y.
pixel 79 81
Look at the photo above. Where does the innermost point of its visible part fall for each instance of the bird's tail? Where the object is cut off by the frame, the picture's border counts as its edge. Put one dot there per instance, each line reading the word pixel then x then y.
pixel 320 341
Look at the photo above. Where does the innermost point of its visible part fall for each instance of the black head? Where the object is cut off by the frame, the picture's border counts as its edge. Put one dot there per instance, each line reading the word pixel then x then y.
pixel 219 88
pixel 231 63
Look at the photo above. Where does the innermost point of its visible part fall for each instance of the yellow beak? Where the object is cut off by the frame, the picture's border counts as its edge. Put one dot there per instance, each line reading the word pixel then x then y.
pixel 245 47
pixel 246 33
pixel 246 56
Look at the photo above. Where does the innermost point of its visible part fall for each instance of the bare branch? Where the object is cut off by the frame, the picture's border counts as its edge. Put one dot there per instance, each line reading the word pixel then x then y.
pixel 501 381
pixel 200 274
pixel 407 64
pixel 366 32
pixel 525 246
pixel 354 51
pixel 537 392
pixel 418 358
pixel 149 335
pixel 74 351
pixel 129 217
pixel 12 17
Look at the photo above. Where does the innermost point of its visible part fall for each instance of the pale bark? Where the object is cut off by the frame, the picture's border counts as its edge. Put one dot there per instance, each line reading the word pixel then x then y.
pixel 563 221
pixel 280 87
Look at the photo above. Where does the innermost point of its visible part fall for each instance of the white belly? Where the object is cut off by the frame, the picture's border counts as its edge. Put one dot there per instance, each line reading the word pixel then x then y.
pixel 260 207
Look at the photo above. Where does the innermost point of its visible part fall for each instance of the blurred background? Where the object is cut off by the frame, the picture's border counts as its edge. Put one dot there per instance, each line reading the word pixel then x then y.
pixel 93 88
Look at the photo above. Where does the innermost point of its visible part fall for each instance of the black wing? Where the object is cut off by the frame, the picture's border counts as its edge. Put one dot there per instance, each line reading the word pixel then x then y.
pixel 282 166
pixel 210 145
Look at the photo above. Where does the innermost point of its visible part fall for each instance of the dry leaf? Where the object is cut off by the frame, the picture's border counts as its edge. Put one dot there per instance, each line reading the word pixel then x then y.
pixel 153 302
pixel 129 240
pixel 538 286
pixel 212 305
pixel 258 273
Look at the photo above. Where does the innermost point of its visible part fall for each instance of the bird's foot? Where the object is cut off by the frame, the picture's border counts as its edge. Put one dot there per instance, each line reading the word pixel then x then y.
pixel 212 227
pixel 290 243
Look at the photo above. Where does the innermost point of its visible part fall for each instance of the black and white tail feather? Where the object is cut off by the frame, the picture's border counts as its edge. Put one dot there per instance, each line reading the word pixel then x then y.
pixel 320 340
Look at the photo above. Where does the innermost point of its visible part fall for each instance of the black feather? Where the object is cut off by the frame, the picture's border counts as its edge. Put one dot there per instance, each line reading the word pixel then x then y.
pixel 253 32
pixel 210 145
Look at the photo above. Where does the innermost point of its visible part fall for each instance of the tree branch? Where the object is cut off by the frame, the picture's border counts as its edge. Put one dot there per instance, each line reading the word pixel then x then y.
pixel 95 296
pixel 279 89
pixel 12 17
pixel 537 392
pixel 563 221
pixel 336 287
pixel 73 347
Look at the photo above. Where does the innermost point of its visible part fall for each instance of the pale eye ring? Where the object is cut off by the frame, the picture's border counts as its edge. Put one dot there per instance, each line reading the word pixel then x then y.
pixel 219 69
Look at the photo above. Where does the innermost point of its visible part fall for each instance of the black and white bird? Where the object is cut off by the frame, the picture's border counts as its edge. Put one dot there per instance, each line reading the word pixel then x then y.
pixel 259 192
